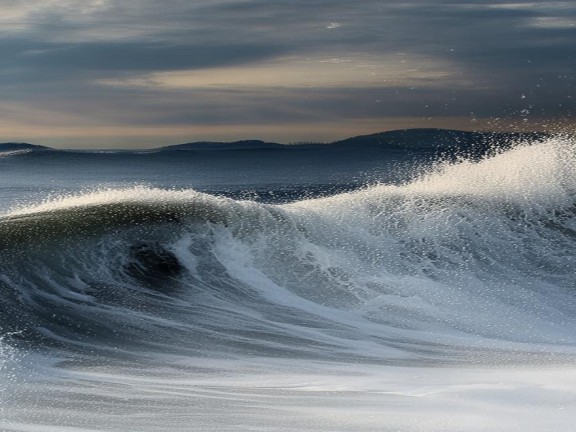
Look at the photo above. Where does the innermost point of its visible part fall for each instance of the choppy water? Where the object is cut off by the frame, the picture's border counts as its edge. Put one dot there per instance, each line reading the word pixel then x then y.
pixel 127 304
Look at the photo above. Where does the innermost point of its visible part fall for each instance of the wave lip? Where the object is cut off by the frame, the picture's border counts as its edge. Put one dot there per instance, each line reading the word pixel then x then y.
pixel 102 211
pixel 14 149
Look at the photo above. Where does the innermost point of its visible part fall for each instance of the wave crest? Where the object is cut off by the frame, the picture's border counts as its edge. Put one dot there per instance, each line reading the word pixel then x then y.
pixel 382 272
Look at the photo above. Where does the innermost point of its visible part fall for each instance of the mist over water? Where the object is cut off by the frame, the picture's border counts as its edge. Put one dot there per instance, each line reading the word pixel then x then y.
pixel 370 299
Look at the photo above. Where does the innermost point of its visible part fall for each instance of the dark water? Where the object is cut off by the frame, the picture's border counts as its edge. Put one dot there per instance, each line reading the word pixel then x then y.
pixel 193 291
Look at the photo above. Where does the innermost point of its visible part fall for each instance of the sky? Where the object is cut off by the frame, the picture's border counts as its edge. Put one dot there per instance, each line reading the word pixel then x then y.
pixel 144 73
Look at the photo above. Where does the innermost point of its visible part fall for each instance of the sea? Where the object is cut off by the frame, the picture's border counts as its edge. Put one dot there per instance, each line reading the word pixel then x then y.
pixel 314 288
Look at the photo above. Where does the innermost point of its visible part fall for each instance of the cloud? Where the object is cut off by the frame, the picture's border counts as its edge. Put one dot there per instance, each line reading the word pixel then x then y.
pixel 351 71
pixel 131 57
pixel 217 62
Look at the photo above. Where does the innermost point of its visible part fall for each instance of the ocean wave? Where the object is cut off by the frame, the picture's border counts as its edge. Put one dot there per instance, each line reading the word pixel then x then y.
pixel 471 257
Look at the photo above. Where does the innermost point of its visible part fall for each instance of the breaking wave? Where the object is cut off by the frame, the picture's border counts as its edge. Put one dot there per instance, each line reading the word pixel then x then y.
pixel 471 259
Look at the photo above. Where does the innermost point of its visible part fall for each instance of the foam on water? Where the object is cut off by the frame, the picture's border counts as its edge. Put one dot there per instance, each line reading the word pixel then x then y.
pixel 177 308
pixel 386 272
pixel 470 240
pixel 220 395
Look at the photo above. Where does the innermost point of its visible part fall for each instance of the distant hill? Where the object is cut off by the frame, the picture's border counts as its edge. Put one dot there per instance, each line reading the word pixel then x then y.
pixel 434 141
pixel 412 140
pixel 227 146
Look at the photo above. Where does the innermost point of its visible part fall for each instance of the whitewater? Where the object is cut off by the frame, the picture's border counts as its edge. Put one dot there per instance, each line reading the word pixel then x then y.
pixel 412 296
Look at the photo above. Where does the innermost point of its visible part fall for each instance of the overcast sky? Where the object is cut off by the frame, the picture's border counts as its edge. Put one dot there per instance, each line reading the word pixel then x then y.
pixel 142 73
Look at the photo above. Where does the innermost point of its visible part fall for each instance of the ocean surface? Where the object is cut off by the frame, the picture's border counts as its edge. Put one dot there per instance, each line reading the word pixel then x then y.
pixel 270 290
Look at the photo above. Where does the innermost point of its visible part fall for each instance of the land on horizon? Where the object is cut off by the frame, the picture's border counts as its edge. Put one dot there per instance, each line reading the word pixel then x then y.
pixel 416 137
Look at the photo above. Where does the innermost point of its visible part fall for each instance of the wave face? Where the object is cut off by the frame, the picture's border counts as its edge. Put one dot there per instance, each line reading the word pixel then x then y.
pixel 471 259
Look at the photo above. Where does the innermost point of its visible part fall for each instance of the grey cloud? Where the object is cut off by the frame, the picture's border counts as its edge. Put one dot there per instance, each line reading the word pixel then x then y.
pixel 22 58
pixel 285 106
pixel 130 57
pixel 176 34
pixel 510 65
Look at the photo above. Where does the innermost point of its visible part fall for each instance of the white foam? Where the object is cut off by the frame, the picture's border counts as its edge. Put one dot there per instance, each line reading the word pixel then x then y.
pixel 274 395
pixel 473 255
